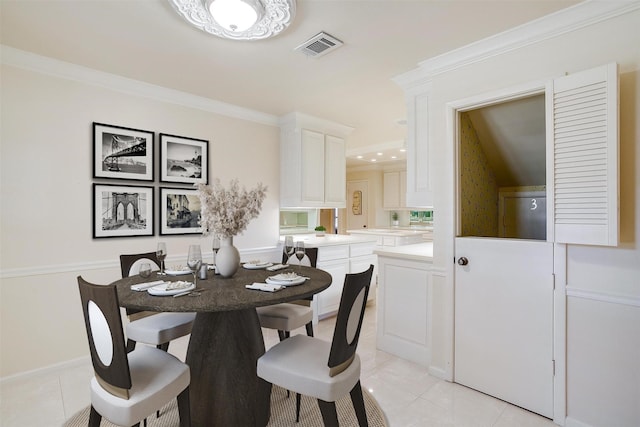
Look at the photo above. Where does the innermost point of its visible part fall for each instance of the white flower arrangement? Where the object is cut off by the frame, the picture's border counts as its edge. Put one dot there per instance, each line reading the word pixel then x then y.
pixel 228 211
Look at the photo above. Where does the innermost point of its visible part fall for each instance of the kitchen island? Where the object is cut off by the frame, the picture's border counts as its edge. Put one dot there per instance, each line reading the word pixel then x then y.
pixel 404 301
pixel 395 236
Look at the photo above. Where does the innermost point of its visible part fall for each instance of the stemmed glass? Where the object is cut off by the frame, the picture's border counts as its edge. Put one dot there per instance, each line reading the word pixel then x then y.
pixel 288 247
pixel 194 261
pixel 215 247
pixel 161 253
pixel 300 251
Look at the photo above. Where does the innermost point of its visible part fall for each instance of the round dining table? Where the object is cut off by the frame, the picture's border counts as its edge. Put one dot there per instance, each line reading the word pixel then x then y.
pixel 226 340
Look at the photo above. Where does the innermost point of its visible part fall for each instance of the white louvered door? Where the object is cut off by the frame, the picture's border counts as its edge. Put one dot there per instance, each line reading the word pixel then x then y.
pixel 582 157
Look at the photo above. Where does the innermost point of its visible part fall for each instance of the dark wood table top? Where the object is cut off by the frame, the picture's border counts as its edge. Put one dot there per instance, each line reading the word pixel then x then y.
pixel 220 294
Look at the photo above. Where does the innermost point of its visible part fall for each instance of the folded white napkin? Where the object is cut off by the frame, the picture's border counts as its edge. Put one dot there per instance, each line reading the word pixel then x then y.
pixel 264 287
pixel 144 286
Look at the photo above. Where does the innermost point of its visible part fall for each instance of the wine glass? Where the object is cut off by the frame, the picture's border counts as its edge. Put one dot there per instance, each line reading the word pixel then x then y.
pixel 215 248
pixel 288 247
pixel 300 251
pixel 161 253
pixel 194 261
pixel 145 270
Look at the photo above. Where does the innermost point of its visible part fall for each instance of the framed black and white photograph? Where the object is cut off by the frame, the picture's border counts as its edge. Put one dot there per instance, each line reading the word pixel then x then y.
pixel 122 211
pixel 179 211
pixel 183 160
pixel 122 153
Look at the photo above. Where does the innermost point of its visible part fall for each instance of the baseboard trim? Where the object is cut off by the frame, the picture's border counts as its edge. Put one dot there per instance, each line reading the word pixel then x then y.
pixel 47 370
pixel 572 422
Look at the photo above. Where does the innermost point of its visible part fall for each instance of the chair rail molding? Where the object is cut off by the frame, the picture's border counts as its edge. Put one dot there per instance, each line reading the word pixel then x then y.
pixel 10 273
pixel 609 297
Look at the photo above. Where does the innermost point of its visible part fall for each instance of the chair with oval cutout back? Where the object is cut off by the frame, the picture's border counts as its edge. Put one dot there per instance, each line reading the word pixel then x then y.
pixel 149 327
pixel 286 317
pixel 325 370
pixel 127 386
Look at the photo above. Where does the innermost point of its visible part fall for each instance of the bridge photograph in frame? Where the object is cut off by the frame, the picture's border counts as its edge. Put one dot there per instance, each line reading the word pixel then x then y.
pixel 122 210
pixel 122 153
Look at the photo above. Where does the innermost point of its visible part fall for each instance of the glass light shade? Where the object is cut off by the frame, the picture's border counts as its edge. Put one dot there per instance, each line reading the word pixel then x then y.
pixel 234 15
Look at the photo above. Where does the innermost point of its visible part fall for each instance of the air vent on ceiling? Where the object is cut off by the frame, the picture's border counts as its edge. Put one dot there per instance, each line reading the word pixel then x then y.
pixel 320 44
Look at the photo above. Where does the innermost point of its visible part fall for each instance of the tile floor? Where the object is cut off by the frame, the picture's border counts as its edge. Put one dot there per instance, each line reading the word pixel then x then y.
pixel 408 395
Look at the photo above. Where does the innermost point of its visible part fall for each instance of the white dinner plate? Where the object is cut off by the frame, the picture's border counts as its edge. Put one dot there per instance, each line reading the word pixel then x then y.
pixel 177 272
pixel 256 266
pixel 162 291
pixel 299 281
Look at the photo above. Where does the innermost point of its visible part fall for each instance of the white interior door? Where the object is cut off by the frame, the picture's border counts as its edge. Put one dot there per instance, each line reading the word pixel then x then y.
pixel 504 320
pixel 357 199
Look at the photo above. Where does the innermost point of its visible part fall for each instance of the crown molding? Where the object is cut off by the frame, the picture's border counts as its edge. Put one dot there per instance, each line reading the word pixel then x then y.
pixel 297 120
pixel 65 70
pixel 581 15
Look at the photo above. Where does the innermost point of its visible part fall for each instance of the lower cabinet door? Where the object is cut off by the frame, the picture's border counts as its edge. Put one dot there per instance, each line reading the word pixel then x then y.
pixel 328 301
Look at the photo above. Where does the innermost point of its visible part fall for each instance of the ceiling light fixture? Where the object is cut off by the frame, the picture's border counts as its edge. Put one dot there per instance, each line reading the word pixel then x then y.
pixel 238 19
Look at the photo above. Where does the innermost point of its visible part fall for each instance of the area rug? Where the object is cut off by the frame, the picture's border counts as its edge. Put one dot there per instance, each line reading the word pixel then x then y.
pixel 283 413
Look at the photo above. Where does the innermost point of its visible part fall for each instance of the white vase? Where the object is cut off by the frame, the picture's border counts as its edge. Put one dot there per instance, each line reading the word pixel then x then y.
pixel 227 258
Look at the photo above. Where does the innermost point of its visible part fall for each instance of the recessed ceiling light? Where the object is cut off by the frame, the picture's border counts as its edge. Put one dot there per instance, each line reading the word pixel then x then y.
pixel 379 154
pixel 373 160
pixel 394 157
pixel 402 150
pixel 358 157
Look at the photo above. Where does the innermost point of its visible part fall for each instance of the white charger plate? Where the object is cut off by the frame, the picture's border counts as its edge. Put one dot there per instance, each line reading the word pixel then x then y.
pixel 177 272
pixel 252 266
pixel 162 291
pixel 299 281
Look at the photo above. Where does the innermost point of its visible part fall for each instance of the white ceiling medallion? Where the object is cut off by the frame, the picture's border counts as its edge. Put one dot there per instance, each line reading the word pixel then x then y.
pixel 238 19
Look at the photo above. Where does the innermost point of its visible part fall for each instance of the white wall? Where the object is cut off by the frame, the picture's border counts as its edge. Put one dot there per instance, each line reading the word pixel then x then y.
pixel 603 284
pixel 46 202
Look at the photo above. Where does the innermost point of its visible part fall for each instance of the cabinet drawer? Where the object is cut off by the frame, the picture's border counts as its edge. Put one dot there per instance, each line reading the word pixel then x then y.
pixel 361 249
pixel 328 253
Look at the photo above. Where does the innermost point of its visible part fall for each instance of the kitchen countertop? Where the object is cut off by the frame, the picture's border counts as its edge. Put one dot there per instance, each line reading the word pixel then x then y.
pixel 311 241
pixel 390 231
pixel 416 252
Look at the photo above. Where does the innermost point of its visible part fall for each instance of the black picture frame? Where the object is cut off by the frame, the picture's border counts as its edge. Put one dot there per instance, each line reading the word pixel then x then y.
pixel 123 153
pixel 179 210
pixel 183 160
pixel 122 211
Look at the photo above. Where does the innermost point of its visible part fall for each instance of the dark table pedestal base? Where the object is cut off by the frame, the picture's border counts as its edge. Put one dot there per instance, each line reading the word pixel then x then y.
pixel 223 352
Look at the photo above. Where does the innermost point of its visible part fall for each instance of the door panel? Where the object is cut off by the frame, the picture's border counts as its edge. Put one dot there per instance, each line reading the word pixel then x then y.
pixel 504 320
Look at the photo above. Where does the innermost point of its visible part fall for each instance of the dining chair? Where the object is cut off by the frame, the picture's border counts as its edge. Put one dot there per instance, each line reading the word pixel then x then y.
pixel 321 369
pixel 286 317
pixel 127 386
pixel 150 327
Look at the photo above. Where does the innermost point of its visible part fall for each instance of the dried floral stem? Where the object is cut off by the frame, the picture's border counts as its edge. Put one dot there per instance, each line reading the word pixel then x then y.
pixel 228 211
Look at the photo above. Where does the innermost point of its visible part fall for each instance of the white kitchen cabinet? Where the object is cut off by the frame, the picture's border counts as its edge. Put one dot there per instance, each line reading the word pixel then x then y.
pixel 339 260
pixel 403 308
pixel 419 174
pixel 312 163
pixel 395 190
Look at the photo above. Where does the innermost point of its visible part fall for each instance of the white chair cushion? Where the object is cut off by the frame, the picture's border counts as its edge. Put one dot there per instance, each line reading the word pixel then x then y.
pixel 284 317
pixel 157 377
pixel 160 328
pixel 299 364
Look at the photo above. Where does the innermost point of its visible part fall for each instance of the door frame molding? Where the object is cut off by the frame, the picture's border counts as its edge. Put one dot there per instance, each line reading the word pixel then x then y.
pixel 453 109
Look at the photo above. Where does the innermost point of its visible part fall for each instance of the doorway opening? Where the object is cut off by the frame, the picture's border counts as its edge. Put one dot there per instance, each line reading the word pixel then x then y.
pixel 502 170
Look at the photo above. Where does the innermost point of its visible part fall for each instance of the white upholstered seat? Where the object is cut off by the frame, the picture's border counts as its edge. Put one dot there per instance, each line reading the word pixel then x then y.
pixel 325 370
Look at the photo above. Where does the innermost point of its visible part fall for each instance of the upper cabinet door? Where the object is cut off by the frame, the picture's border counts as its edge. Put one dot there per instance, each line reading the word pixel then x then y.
pixel 335 172
pixel 313 164
pixel 419 187
pixel 582 157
